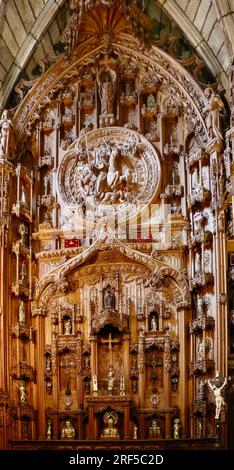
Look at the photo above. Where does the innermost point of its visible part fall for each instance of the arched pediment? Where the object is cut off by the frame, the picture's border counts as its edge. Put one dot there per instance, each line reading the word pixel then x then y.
pixel 57 280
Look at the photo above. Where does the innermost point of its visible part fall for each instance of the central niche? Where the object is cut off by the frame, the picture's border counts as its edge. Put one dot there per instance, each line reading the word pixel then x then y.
pixel 108 169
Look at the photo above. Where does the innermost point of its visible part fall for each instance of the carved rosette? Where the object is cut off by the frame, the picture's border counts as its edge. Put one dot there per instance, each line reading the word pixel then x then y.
pixel 108 169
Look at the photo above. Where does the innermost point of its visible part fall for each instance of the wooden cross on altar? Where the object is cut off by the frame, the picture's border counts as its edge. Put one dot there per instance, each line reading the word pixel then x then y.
pixel 110 341
pixel 67 363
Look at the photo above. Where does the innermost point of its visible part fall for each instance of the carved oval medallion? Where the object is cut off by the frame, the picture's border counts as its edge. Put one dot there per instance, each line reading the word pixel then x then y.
pixel 107 172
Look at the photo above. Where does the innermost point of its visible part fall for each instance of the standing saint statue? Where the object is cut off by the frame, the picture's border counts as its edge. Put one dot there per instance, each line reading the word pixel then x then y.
pixel 219 400
pixel 109 299
pixel 212 109
pixel 67 327
pixel 107 87
pixel 5 125
pixel 23 396
pixel 21 313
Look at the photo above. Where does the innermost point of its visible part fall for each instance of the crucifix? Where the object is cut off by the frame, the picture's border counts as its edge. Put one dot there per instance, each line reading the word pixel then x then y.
pixel 67 364
pixel 110 341
pixel 153 363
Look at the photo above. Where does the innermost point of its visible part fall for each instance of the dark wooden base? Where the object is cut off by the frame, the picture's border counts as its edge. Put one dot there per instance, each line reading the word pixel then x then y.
pixel 109 444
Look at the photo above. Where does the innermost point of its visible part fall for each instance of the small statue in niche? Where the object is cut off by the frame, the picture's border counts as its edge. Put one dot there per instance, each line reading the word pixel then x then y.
pixel 22 232
pixel 213 108
pixel 21 313
pixel 23 396
pixel 49 429
pixel 48 363
pixel 46 184
pixel 177 429
pixel 153 323
pixel 151 101
pixel 135 431
pixel 200 350
pixel 110 419
pixel 67 326
pixel 68 431
pixel 109 299
pixel 197 263
pixel 95 385
pixel 23 272
pixel 107 87
pixel 128 90
pixel 23 199
pixel 49 387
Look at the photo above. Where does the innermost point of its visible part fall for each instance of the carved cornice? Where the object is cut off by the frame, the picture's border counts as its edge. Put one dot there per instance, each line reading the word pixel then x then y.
pixel 214 146
pixel 23 371
pixel 201 367
pixel 23 332
pixel 109 317
pixel 201 324
pixel 201 280
pixel 23 411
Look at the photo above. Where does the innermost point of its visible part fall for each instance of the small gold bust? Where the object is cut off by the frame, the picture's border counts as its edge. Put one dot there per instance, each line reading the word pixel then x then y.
pixel 110 419
pixel 68 432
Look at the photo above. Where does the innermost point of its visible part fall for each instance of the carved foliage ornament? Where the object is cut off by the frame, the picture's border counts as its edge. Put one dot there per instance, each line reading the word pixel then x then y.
pixel 108 169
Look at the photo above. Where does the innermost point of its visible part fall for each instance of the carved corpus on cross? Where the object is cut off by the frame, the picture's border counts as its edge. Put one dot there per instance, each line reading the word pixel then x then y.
pixel 110 341
pixel 67 364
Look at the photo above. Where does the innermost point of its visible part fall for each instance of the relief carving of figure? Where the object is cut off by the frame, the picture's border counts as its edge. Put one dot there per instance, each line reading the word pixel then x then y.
pixel 107 87
pixel 104 178
pixel 213 108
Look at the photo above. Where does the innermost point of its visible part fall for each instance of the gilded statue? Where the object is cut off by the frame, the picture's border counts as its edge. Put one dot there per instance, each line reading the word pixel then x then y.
pixel 68 431
pixel 212 109
pixel 135 431
pixel 177 428
pixel 110 419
